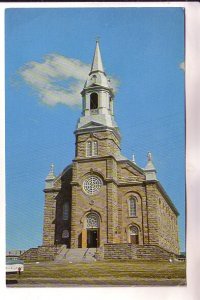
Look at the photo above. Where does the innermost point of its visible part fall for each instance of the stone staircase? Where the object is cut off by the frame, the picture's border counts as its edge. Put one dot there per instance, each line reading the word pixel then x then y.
pixel 75 255
pixel 30 254
pixel 130 251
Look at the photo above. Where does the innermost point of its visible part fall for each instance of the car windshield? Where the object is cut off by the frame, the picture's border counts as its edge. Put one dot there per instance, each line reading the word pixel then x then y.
pixel 12 261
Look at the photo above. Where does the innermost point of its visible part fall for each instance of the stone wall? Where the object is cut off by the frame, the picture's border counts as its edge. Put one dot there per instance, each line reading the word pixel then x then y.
pixel 30 255
pixel 108 144
pixel 40 253
pixel 117 251
pixel 53 209
pixel 139 252
pixel 163 229
pixel 49 217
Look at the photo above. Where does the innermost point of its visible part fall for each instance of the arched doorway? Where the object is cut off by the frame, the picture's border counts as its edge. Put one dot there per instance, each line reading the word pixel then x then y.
pixel 134 235
pixel 92 227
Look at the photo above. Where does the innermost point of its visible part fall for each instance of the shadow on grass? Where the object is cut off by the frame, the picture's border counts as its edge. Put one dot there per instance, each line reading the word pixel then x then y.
pixel 11 281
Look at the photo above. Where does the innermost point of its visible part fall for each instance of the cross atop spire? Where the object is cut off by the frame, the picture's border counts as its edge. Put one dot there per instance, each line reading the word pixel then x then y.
pixel 97 64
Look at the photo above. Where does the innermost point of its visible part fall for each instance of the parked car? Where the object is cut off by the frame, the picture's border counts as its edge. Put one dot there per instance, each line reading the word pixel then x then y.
pixel 14 265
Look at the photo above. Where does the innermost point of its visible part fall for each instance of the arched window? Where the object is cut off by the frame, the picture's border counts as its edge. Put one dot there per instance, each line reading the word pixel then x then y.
pixel 94 101
pixel 91 148
pixel 66 211
pixel 132 206
pixel 92 221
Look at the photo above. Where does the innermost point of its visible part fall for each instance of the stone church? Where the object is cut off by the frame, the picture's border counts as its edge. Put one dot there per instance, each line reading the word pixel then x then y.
pixel 103 200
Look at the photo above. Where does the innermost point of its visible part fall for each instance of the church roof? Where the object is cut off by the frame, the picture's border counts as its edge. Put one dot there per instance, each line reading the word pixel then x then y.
pixel 169 201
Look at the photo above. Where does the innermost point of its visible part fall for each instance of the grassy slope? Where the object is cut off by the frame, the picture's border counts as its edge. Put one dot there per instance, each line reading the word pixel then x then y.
pixel 123 272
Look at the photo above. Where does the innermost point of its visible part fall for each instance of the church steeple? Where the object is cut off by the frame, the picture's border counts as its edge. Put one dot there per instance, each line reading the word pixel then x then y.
pixel 97 64
pixel 97 97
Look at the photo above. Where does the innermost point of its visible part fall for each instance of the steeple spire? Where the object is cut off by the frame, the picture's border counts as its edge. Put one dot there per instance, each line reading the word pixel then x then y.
pixel 97 64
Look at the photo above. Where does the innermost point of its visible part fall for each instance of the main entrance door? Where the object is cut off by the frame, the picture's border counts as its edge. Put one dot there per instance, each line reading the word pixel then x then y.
pixel 92 238
pixel 92 230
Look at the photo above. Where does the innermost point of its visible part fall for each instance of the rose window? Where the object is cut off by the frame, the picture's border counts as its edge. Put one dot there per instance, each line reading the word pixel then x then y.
pixel 92 185
pixel 92 221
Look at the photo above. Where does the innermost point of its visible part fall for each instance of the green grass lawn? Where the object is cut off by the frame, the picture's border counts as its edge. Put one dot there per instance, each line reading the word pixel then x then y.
pixel 104 273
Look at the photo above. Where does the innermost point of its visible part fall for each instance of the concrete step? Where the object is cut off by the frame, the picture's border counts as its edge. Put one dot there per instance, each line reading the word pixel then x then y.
pixel 76 255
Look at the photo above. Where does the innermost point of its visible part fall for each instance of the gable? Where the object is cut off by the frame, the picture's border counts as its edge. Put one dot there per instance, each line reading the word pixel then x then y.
pixel 129 172
pixel 91 125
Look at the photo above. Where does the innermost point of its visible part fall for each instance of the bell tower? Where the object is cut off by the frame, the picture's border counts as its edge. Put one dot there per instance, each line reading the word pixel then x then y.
pixel 94 173
pixel 97 96
pixel 97 108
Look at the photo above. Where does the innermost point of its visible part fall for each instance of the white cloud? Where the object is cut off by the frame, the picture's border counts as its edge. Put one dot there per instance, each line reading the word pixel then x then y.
pixel 58 79
pixel 182 66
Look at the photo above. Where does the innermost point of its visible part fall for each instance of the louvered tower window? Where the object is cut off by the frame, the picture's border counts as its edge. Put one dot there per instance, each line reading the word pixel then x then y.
pixel 93 101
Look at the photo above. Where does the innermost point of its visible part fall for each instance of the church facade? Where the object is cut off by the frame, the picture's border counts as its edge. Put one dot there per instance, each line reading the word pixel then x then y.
pixel 103 200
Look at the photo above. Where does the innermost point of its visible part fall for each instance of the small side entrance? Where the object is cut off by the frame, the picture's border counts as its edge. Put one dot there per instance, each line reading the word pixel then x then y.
pixel 134 235
pixel 92 238
pixel 134 239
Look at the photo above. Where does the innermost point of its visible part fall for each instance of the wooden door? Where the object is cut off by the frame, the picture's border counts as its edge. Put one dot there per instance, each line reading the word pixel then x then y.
pixel 134 239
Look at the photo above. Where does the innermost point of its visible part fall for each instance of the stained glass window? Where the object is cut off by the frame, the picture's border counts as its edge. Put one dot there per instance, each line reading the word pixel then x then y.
pixel 133 230
pixel 92 185
pixel 66 211
pixel 132 206
pixel 92 221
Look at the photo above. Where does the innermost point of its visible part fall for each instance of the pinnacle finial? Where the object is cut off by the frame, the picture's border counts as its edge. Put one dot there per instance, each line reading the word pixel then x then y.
pixel 50 177
pixel 149 156
pixel 150 169
pixel 52 168
pixel 97 39
pixel 133 158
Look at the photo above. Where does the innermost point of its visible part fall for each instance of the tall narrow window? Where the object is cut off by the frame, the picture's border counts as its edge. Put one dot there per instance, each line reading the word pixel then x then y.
pixel 66 211
pixel 110 103
pixel 95 148
pixel 132 206
pixel 94 101
pixel 89 149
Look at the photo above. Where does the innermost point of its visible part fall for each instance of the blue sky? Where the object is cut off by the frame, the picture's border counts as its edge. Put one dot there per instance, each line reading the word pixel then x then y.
pixel 48 53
